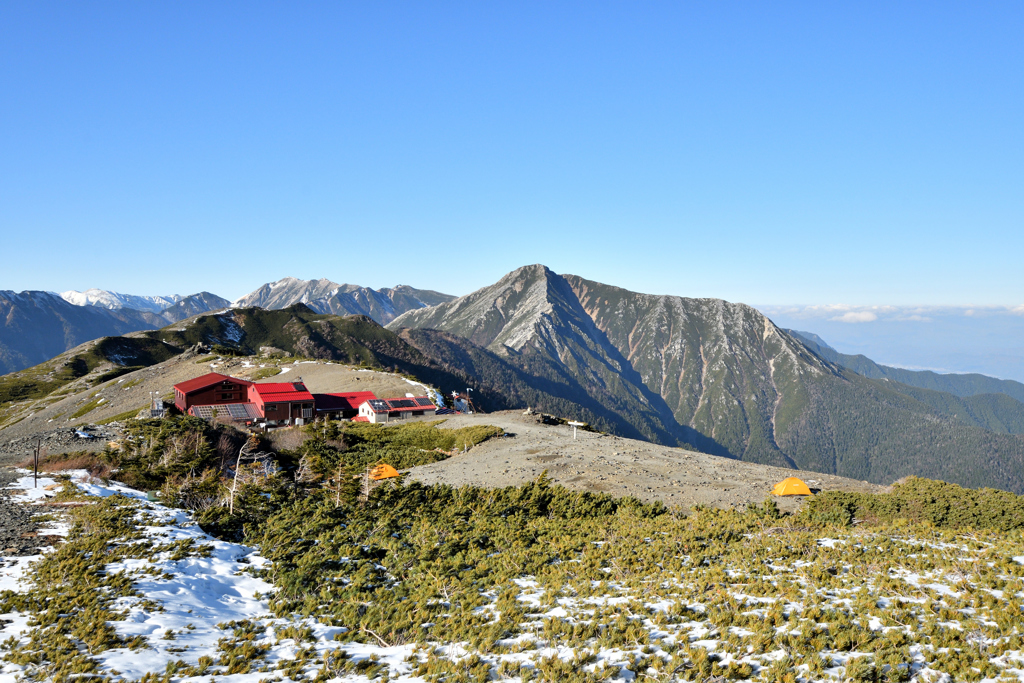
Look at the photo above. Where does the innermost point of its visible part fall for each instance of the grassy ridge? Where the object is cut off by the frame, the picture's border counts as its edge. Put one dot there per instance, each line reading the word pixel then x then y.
pixel 127 354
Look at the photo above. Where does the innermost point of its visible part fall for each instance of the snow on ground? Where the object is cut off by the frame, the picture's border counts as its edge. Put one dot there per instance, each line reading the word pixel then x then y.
pixel 204 595
pixel 196 595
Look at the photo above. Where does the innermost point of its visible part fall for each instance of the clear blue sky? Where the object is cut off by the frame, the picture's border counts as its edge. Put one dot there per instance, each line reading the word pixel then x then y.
pixel 819 152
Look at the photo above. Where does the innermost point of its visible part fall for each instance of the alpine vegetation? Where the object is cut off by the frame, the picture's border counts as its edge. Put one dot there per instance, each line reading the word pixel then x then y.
pixel 408 582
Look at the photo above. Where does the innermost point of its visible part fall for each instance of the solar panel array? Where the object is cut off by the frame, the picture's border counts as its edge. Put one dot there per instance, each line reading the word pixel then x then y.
pixel 205 412
pixel 378 405
pixel 424 402
pixel 235 411
pixel 402 403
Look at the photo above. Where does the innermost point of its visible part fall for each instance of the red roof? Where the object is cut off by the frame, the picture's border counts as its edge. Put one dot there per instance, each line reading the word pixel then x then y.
pixel 400 405
pixel 279 392
pixel 348 401
pixel 360 418
pixel 208 380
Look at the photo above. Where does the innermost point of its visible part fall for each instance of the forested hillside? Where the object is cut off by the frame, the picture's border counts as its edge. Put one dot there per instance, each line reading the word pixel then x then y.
pixel 969 384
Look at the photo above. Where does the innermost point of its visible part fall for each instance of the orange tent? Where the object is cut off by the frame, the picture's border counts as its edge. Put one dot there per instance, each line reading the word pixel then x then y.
pixel 383 472
pixel 791 487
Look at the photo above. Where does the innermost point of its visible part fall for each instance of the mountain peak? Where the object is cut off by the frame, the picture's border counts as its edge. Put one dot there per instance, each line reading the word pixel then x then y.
pixel 326 296
pixel 103 298
pixel 500 317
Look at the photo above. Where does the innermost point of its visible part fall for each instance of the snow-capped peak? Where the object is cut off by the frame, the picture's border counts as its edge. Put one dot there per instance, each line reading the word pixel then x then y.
pixel 106 299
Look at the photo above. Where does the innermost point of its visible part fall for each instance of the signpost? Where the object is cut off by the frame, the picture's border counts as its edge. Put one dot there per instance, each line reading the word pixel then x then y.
pixel 574 425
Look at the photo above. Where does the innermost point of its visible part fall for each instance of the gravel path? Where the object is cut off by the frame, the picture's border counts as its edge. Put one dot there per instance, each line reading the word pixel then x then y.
pixel 610 464
pixel 63 440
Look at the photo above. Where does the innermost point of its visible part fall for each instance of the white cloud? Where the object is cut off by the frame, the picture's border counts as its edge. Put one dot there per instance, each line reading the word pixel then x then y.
pixel 856 317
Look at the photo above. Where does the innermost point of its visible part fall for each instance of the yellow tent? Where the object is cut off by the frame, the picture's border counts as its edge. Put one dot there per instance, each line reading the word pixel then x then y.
pixel 791 487
pixel 383 472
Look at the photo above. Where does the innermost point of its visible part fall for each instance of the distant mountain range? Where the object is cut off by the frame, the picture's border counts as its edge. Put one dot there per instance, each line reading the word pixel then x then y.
pixel 112 300
pixel 39 325
pixel 968 384
pixel 324 296
pixel 706 373
pixel 947 339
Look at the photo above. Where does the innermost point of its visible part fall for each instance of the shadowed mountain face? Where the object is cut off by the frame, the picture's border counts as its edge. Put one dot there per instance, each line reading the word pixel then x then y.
pixel 324 296
pixel 724 378
pixel 36 326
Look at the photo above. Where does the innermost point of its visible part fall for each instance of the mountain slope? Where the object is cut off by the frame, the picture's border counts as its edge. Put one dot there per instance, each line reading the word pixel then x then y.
pixel 203 302
pixel 324 296
pixel 725 373
pixel 112 300
pixel 963 385
pixel 91 370
pixel 37 326
pixel 287 291
pixel 532 319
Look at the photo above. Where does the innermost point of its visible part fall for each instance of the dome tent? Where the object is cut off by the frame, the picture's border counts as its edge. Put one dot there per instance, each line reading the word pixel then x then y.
pixel 791 487
pixel 383 471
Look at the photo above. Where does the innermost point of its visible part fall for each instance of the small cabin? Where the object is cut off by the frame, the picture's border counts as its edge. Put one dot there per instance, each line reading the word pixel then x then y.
pixel 212 389
pixel 283 402
pixel 391 409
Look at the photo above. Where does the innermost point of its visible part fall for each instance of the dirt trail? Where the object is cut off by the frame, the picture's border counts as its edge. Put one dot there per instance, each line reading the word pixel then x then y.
pixel 593 462
pixel 610 464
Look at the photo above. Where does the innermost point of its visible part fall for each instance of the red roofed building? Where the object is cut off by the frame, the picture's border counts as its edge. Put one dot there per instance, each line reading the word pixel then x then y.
pixel 343 406
pixel 282 402
pixel 387 409
pixel 211 389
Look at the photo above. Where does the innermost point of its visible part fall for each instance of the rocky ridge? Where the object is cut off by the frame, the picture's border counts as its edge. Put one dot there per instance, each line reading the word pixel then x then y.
pixel 721 377
pixel 325 296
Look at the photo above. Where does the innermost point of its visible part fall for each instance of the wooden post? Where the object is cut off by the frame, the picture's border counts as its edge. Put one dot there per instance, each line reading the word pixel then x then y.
pixel 35 464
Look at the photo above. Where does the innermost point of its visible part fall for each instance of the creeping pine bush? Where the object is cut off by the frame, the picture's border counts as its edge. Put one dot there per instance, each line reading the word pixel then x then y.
pixel 922 500
pixel 72 599
pixel 156 451
pixel 537 582
pixel 356 445
pixel 622 588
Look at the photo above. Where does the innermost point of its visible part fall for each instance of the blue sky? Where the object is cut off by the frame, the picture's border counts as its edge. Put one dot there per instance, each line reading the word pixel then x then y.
pixel 772 153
